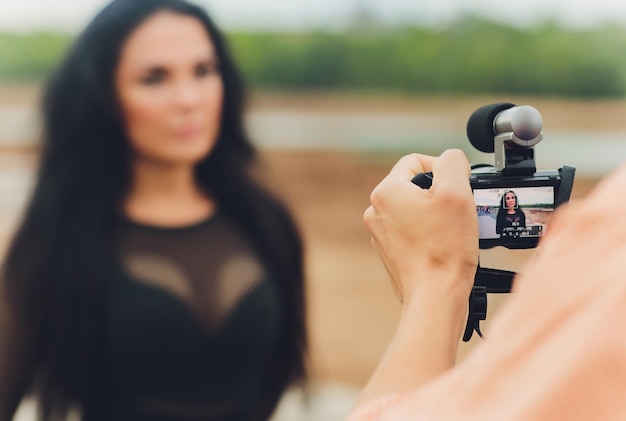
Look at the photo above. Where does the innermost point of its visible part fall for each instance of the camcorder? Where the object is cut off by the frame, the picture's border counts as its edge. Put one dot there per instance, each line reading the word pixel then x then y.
pixel 514 201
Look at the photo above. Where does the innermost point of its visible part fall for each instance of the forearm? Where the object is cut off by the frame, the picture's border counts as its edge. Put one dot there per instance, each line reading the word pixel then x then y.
pixel 425 342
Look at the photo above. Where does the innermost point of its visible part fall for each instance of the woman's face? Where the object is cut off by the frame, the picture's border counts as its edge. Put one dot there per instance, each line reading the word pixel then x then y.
pixel 509 200
pixel 170 90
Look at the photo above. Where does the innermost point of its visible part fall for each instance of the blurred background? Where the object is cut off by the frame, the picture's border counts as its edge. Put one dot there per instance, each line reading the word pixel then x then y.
pixel 339 90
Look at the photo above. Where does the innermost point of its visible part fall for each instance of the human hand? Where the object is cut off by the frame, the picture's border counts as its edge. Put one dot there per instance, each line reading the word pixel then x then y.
pixel 428 241
pixel 426 238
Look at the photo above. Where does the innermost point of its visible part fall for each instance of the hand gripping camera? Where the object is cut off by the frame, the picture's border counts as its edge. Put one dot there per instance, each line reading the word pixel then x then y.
pixel 514 201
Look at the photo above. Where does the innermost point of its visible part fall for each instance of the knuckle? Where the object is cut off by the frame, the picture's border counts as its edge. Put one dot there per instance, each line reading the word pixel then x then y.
pixel 453 195
pixel 368 217
pixel 456 152
pixel 378 197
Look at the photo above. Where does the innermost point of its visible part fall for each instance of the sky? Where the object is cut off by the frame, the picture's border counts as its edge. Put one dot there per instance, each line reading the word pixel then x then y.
pixel 72 15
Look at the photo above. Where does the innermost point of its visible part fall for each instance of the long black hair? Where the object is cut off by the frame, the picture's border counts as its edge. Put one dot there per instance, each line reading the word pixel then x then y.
pixel 61 256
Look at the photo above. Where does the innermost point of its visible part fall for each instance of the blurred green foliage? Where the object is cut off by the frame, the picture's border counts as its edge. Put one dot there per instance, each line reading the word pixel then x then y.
pixel 28 58
pixel 470 56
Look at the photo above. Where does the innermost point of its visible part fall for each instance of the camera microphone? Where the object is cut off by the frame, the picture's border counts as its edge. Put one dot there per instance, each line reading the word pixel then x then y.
pixel 520 124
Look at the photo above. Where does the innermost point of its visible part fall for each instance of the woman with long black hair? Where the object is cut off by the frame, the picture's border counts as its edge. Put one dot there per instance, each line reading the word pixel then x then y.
pixel 509 215
pixel 151 277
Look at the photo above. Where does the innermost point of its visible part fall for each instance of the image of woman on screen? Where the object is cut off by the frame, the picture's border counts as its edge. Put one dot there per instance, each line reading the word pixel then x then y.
pixel 510 215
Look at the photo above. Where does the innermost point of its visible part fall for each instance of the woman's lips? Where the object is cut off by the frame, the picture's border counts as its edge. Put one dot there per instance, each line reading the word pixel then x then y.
pixel 187 132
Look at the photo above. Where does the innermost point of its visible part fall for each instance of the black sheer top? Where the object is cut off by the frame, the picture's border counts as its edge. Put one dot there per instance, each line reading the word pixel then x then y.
pixel 190 321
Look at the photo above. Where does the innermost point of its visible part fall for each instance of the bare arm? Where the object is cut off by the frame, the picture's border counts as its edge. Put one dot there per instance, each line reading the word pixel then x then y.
pixel 428 241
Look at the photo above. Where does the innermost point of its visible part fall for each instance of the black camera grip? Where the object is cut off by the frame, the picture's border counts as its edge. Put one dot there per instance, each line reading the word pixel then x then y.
pixel 565 188
pixel 423 180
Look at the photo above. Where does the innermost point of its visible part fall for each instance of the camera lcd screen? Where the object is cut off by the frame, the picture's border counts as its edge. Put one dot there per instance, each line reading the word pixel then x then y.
pixel 513 215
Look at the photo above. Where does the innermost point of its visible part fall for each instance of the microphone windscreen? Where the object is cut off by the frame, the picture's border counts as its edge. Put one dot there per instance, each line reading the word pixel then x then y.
pixel 480 126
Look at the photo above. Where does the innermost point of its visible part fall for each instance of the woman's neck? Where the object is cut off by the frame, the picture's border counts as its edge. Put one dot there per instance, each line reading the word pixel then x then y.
pixel 166 195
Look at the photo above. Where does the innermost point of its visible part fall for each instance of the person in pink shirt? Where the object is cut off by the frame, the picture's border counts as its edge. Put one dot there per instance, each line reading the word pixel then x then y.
pixel 555 351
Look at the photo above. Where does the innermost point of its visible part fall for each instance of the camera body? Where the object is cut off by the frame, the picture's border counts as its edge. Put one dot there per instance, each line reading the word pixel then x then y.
pixel 514 201
pixel 522 225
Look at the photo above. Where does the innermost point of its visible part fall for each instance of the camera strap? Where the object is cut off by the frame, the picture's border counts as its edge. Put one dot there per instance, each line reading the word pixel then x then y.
pixel 477 312
pixel 486 280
